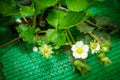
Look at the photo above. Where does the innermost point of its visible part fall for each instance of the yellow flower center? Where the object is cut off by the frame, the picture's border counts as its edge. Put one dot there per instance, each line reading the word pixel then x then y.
pixel 94 46
pixel 79 50
pixel 45 50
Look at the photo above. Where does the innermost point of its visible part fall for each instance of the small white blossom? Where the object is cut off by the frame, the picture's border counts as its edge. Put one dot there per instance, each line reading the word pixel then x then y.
pixel 35 49
pixel 19 20
pixel 46 50
pixel 80 50
pixel 95 47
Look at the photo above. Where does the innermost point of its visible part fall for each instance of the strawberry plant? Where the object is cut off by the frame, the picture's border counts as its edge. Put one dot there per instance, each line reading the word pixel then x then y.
pixel 53 24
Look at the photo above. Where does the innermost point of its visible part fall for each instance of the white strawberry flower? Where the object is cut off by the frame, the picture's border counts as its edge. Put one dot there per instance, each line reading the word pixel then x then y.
pixel 95 47
pixel 46 50
pixel 80 50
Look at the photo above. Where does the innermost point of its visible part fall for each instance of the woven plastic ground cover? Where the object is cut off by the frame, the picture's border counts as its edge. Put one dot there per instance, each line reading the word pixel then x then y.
pixel 20 63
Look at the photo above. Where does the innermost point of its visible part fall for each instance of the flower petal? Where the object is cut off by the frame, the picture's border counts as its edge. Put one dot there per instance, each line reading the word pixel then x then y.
pixel 76 55
pixel 79 44
pixel 98 47
pixel 43 51
pixel 84 55
pixel 73 48
pixel 93 51
pixel 85 48
pixel 45 46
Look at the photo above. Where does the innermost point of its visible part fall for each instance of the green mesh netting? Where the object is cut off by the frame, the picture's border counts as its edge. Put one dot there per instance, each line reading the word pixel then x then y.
pixel 20 63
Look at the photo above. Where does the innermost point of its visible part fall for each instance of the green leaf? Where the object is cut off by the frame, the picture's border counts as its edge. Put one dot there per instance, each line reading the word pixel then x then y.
pixel 54 17
pixel 4 19
pixel 57 37
pixel 8 8
pixel 100 0
pixel 26 32
pixel 42 4
pixel 77 5
pixel 22 28
pixel 63 2
pixel 103 36
pixel 87 39
pixel 85 28
pixel 26 10
pixel 103 21
pixel 71 19
pixel 26 36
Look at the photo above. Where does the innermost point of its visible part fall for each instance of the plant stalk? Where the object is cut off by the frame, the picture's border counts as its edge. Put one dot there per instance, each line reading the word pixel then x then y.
pixel 94 37
pixel 68 38
pixel 24 18
pixel 5 44
pixel 59 3
pixel 71 36
pixel 34 19
pixel 89 22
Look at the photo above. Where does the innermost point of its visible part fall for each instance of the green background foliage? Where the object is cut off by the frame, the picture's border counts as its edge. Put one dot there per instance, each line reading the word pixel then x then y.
pixel 78 5
pixel 24 31
pixel 8 8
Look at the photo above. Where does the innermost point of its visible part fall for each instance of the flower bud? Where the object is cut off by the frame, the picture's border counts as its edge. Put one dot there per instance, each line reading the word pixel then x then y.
pixel 35 49
pixel 104 49
pixel 106 60
pixel 19 20
pixel 82 67
pixel 101 55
